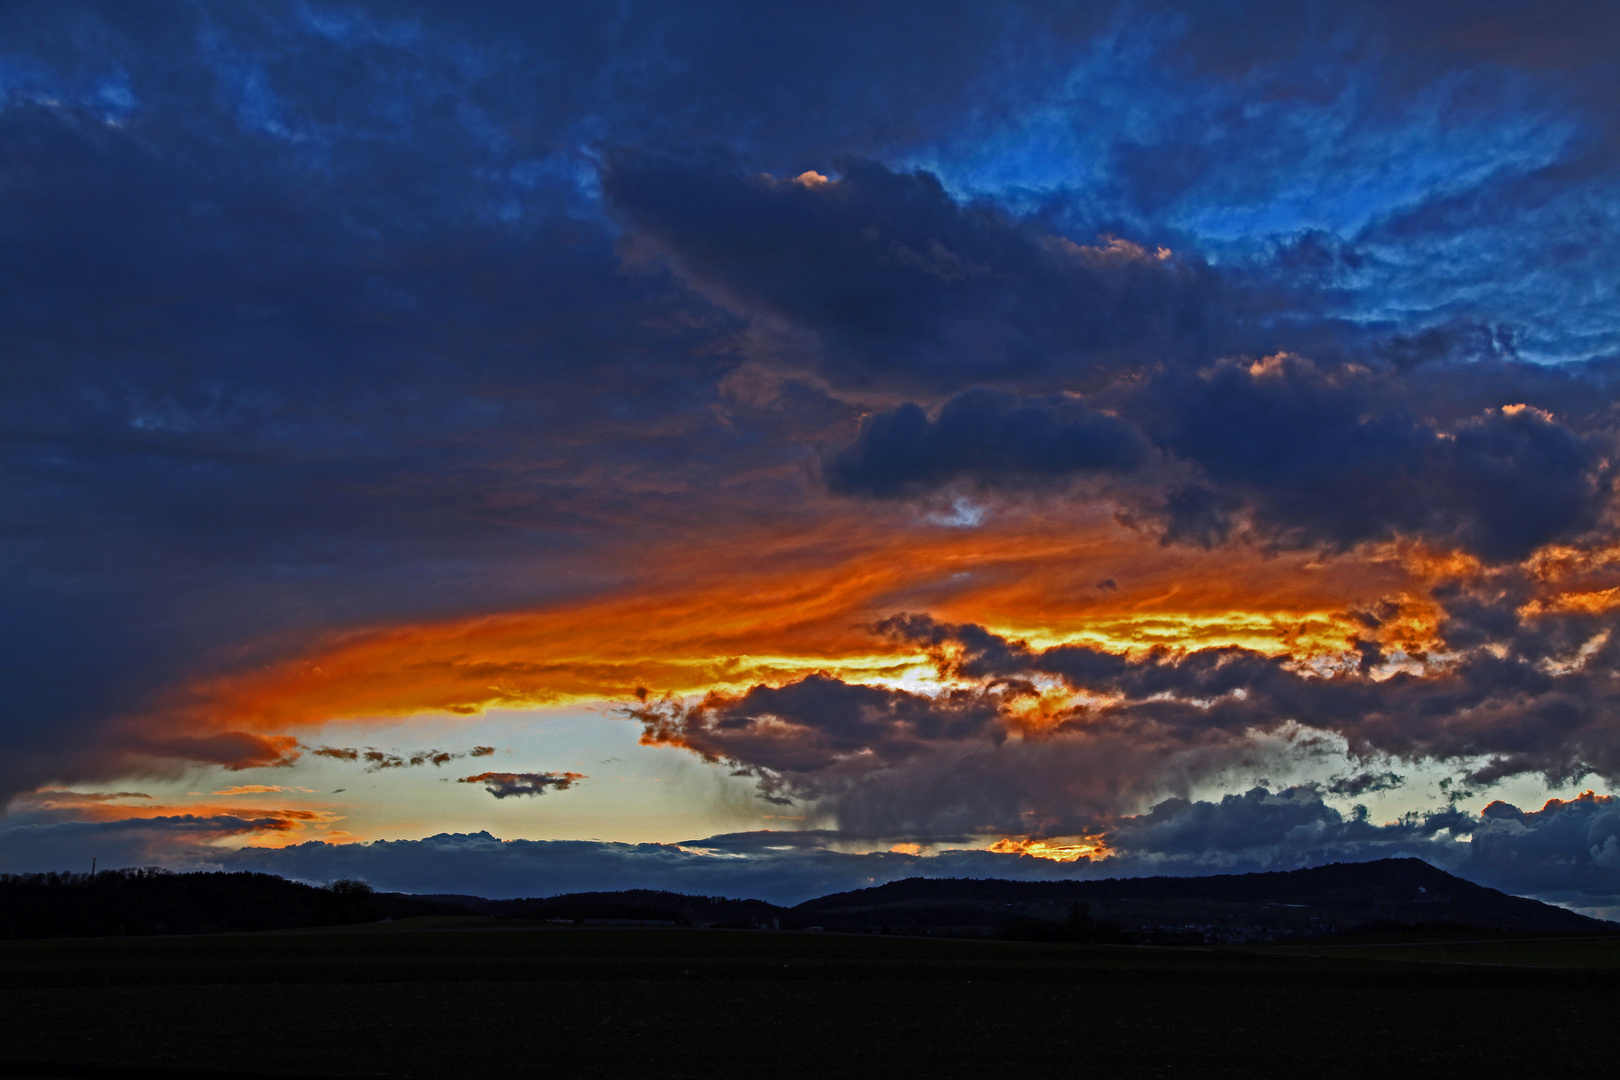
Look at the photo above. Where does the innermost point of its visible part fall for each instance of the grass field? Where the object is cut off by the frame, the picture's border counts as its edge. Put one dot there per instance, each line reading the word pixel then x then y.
pixel 563 1002
pixel 1572 953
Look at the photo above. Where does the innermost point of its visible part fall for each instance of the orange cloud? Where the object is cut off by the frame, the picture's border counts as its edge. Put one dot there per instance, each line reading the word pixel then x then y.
pixel 283 816
pixel 1590 602
pixel 774 604
pixel 1587 796
pixel 53 799
pixel 1083 847
pixel 1573 581
pixel 267 826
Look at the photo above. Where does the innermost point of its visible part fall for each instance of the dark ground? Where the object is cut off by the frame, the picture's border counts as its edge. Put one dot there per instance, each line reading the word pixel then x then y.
pixel 413 1001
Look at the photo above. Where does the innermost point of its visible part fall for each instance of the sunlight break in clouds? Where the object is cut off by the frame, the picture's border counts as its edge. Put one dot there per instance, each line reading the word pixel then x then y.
pixel 1107 438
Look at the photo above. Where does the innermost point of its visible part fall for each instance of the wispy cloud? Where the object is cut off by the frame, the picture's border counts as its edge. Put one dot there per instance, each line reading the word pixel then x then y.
pixel 377 760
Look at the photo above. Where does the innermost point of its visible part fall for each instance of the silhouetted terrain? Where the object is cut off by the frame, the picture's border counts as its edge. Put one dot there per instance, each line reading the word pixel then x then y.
pixel 629 906
pixel 1386 895
pixel 121 902
pixel 599 1003
pixel 1391 895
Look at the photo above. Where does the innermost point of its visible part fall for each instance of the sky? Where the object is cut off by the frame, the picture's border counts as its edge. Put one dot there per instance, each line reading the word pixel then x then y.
pixel 765 450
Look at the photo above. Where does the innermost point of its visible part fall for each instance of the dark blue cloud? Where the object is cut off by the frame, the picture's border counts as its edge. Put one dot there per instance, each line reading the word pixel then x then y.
pixel 1285 450
pixel 905 286
pixel 316 317
pixel 995 438
pixel 28 843
pixel 1338 458
pixel 1563 853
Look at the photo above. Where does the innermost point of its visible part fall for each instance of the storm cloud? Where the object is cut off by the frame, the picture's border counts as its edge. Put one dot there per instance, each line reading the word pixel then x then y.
pixel 1338 458
pixel 348 344
pixel 817 724
pixel 1509 702
pixel 996 756
pixel 989 437
pixel 1280 450
pixel 904 285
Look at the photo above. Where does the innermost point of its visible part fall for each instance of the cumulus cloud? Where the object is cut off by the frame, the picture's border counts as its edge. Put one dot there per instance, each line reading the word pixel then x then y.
pixel 1283 450
pixel 1561 853
pixel 888 761
pixel 505 785
pixel 1523 712
pixel 998 751
pixel 816 724
pixel 1338 458
pixel 1566 851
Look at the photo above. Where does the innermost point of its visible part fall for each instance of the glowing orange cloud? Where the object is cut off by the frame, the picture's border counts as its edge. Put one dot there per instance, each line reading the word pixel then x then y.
pixel 1089 847
pixel 1588 602
pixel 775 603
pixel 1587 796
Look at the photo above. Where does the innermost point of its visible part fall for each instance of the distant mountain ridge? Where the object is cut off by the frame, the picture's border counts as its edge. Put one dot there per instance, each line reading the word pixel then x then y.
pixel 1265 885
pixel 1389 895
pixel 1386 894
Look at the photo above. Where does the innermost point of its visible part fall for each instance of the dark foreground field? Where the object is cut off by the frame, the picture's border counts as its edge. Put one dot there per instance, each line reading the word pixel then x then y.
pixel 566 1002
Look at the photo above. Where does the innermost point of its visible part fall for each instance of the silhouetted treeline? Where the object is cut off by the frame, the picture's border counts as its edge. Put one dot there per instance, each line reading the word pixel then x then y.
pixel 155 901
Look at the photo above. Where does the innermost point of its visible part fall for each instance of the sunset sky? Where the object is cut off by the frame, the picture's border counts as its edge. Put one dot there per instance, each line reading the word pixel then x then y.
pixel 518 448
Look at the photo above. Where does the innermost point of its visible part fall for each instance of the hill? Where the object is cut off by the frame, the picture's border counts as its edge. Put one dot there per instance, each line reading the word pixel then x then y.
pixel 1385 895
pixel 1391 895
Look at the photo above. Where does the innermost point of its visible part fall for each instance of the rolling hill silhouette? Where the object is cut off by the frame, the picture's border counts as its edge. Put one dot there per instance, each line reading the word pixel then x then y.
pixel 1386 896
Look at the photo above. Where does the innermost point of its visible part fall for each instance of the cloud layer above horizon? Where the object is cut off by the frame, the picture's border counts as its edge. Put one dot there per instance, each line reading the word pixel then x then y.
pixel 995 421
pixel 1564 853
